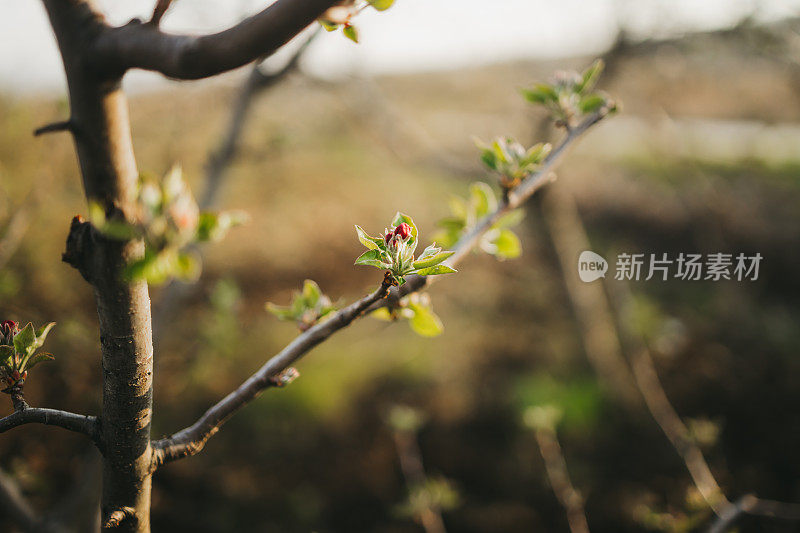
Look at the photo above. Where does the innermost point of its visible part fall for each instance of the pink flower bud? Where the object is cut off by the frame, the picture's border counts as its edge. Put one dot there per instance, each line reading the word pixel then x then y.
pixel 388 237
pixel 10 325
pixel 403 230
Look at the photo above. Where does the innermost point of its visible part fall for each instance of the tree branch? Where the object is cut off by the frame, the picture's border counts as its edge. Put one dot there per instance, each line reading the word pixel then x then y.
pixel 514 199
pixel 84 424
pixel 191 440
pixel 144 46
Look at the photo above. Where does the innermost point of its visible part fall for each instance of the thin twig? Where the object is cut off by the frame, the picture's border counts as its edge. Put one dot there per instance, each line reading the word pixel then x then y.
pixel 64 125
pixel 557 473
pixel 191 440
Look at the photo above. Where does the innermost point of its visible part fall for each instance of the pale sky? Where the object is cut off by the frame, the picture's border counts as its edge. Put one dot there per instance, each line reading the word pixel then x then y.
pixel 414 35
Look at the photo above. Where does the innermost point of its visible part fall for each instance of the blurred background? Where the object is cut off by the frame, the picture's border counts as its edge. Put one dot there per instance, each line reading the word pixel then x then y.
pixel 535 374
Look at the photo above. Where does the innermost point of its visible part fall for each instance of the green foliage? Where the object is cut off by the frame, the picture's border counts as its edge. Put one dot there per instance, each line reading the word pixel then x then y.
pixel 417 309
pixel 394 251
pixel 18 350
pixel 308 306
pixel 498 241
pixel 435 493
pixel 405 419
pixel 512 161
pixel 545 402
pixel 169 221
pixel 569 97
pixel 342 15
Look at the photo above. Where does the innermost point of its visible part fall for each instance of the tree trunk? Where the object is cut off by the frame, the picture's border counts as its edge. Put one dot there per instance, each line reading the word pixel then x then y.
pixel 101 130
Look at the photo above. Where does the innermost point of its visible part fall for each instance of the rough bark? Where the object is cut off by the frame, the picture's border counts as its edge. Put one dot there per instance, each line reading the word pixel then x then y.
pixel 105 153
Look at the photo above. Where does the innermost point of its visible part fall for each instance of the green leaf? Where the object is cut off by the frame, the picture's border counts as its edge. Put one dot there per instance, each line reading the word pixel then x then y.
pixel 328 25
pixel 451 223
pixel 367 240
pixel 590 76
pixel 591 103
pixel 483 199
pixel 382 313
pixel 381 5
pixel 508 245
pixel 436 270
pixel 38 358
pixel 311 292
pixel 536 153
pixel 25 340
pixel 153 268
pixel 351 33
pixel 214 226
pixel 187 266
pixel 6 355
pixel 399 218
pixel 458 207
pixel 41 333
pixel 425 262
pixel 425 322
pixel 510 219
pixel 488 157
pixel 541 93
pixel 372 258
pixel 281 312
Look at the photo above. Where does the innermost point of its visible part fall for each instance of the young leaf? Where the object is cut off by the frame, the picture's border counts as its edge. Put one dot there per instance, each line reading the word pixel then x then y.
pixel 351 32
pixel 311 292
pixel 38 358
pixel 591 103
pixel 436 270
pixel 25 340
pixel 382 313
pixel 381 5
pixel 510 219
pixel 589 77
pixel 328 25
pixel 425 322
pixel 508 245
pixel 425 262
pixel 367 240
pixel 483 198
pixel 541 93
pixel 41 333
pixel 372 258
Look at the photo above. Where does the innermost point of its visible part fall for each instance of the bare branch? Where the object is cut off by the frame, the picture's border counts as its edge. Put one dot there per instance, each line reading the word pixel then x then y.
pixel 557 473
pixel 84 424
pixel 191 440
pixel 144 46
pixel 158 12
pixel 64 125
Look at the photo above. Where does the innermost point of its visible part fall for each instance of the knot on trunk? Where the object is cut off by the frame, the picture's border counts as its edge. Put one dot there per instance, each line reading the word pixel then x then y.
pixel 80 243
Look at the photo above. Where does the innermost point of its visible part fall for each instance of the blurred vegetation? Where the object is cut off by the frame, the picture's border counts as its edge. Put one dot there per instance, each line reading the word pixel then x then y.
pixel 318 158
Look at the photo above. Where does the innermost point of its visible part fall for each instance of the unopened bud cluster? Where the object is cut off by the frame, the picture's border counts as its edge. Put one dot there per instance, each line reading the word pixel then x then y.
pixel 17 349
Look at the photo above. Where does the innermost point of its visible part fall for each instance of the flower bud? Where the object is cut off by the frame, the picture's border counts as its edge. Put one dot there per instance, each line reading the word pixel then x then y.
pixel 388 237
pixel 403 230
pixel 15 375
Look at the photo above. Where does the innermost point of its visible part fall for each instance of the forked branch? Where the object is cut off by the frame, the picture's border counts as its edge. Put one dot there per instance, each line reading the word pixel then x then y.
pixel 191 440
pixel 187 57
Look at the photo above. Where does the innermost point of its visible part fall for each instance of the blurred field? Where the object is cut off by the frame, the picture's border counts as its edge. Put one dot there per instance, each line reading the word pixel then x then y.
pixel 702 159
